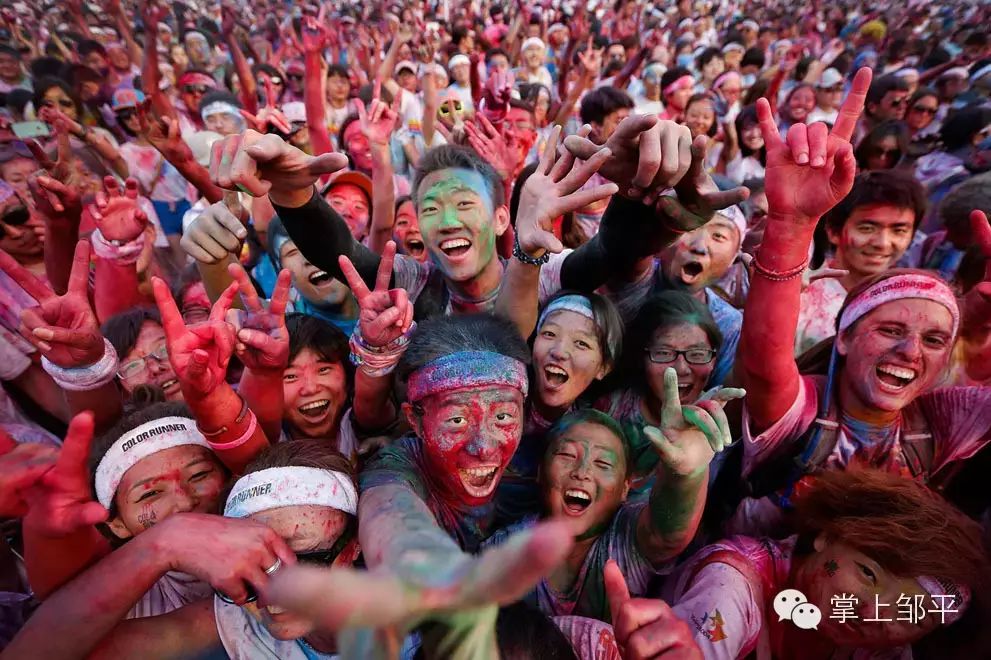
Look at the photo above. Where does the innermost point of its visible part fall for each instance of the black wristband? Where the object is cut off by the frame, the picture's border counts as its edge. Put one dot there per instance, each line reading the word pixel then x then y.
pixel 526 258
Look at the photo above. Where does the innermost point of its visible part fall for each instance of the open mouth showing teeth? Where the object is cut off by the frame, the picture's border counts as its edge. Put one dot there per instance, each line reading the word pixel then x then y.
pixel 314 408
pixel 576 500
pixel 455 247
pixel 320 277
pixel 894 376
pixel 479 481
pixel 169 383
pixel 555 375
pixel 414 247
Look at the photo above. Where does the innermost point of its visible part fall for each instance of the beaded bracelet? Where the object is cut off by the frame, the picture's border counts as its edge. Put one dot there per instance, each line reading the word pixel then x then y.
pixel 116 251
pixel 83 379
pixel 526 258
pixel 776 276
pixel 378 361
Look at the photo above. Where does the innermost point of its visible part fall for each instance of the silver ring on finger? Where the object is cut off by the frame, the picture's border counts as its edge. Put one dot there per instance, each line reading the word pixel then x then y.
pixel 274 567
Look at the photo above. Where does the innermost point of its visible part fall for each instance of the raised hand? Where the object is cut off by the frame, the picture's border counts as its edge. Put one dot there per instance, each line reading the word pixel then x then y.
pixel 314 35
pixel 498 91
pixel 228 20
pixel 61 502
pixel 698 196
pixel 164 134
pixel 266 164
pixel 268 115
pixel 63 328
pixel 214 235
pixel 116 212
pixel 976 308
pixel 200 353
pixel 379 120
pixel 811 171
pixel 20 469
pixel 54 199
pixel 591 60
pixel 262 339
pixel 385 314
pixel 689 436
pixel 228 553
pixel 553 190
pixel 498 148
pixel 647 154
pixel 345 598
pixel 61 168
pixel 646 628
pixel 152 14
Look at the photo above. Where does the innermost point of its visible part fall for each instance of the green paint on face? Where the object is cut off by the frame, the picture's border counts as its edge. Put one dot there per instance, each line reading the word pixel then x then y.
pixel 457 202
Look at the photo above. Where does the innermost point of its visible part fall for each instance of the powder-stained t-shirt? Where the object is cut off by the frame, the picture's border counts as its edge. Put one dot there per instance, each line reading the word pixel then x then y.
pixel 587 597
pixel 403 462
pixel 820 305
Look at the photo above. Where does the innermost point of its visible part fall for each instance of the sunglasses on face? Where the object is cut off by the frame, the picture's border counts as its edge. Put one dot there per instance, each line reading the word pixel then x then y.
pixel 924 110
pixel 883 153
pixel 314 558
pixel 195 89
pixel 896 102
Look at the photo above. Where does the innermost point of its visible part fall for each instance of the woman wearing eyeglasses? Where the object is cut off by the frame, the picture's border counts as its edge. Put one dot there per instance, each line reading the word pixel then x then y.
pixel 672 330
pixel 144 366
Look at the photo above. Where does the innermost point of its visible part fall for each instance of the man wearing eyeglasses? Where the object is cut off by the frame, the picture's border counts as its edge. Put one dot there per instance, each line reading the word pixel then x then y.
pixel 887 99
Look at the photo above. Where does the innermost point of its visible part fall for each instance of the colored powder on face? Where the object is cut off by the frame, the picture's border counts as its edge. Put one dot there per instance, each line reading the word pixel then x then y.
pixel 447 186
pixel 466 369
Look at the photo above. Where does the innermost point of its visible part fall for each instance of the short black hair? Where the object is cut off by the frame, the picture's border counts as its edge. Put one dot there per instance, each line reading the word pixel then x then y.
pixel 955 207
pixel 10 50
pixel 880 87
pixel 87 46
pixel 338 70
pixel 753 57
pixel 707 56
pixel 885 129
pixel 47 83
pixel 602 102
pixel 492 52
pixel 451 156
pixel 122 329
pixel 889 187
pixel 321 337
pixel 672 75
pixel 960 127
pixel 350 119
pixel 441 336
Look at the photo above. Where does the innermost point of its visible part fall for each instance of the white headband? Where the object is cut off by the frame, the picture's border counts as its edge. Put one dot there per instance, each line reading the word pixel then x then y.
pixel 291 486
pixel 137 445
pixel 220 108
pixel 940 588
pixel 899 287
pixel 571 303
pixel 533 41
pixel 735 215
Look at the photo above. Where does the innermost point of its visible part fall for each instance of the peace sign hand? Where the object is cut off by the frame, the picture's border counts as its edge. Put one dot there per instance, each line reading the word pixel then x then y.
pixel 315 36
pixel 55 200
pixel 61 502
pixel 262 338
pixel 63 328
pixel 200 353
pixel 379 120
pixel 269 115
pixel 385 313
pixel 811 171
pixel 164 135
pixel 555 188
pixel 690 436
pixel 117 213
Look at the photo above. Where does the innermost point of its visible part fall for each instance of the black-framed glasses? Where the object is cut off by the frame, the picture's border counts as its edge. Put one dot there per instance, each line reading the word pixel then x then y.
pixel 897 102
pixel 314 558
pixel 135 367
pixel 195 89
pixel 669 355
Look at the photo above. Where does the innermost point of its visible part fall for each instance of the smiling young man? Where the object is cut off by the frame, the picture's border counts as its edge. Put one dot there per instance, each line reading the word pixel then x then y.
pixel 870 230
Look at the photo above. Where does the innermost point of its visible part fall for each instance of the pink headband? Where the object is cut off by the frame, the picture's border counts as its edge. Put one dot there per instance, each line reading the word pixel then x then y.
pixel 909 285
pixel 680 83
pixel 194 78
pixel 465 370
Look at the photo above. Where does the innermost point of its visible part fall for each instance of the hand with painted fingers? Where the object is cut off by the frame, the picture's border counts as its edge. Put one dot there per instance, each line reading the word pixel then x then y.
pixel 63 328
pixel 314 35
pixel 116 212
pixel 461 596
pixel 214 235
pixel 62 167
pixel 498 90
pixel 55 200
pixel 61 501
pixel 199 353
pixel 378 121
pixel 20 469
pixel 698 198
pixel 498 148
pixel 385 314
pixel 231 554
pixel 152 14
pixel 813 169
pixel 555 188
pixel 164 134
pixel 262 339
pixel 269 115
pixel 268 165
pixel 647 154
pixel 690 436
pixel 646 628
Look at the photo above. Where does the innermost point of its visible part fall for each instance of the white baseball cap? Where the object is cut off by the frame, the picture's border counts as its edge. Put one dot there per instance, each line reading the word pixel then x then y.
pixel 829 78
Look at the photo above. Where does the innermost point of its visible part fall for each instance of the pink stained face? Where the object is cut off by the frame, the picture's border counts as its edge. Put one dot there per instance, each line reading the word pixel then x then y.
pixel 835 568
pixel 895 353
pixel 873 238
pixel 181 479
pixel 351 203
pixel 407 232
pixel 469 437
pixel 157 371
pixel 703 255
pixel 356 144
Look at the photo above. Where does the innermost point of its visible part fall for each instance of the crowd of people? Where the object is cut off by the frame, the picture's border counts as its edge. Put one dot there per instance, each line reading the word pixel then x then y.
pixel 472 329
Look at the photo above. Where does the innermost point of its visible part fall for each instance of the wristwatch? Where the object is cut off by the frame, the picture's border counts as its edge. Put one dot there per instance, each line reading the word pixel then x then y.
pixel 526 258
